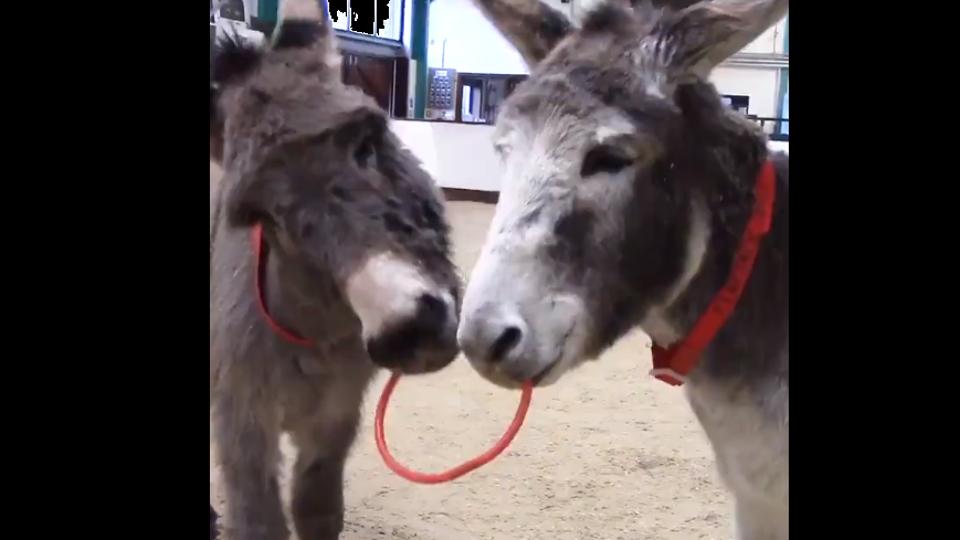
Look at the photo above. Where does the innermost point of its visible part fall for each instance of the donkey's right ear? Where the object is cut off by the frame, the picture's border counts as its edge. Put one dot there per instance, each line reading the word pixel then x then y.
pixel 531 26
pixel 695 40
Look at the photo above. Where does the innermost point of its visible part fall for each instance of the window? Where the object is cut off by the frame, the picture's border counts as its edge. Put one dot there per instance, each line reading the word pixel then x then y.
pixel 740 104
pixel 380 18
pixel 233 10
pixel 784 107
pixel 462 38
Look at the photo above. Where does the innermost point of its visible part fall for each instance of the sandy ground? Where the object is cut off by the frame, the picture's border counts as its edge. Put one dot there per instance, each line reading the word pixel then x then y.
pixel 607 453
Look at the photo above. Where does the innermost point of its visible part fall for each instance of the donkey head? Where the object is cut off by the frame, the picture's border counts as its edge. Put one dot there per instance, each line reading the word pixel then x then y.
pixel 315 163
pixel 615 150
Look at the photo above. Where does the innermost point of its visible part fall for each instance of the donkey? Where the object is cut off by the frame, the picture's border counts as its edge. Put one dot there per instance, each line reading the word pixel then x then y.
pixel 628 188
pixel 330 256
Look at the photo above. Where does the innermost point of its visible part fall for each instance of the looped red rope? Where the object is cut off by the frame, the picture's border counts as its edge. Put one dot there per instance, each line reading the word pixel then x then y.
pixel 460 470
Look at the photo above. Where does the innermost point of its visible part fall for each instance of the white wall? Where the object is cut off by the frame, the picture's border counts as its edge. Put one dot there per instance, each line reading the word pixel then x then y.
pixel 461 38
pixel 770 41
pixel 407 37
pixel 461 155
pixel 758 83
pixel 457 155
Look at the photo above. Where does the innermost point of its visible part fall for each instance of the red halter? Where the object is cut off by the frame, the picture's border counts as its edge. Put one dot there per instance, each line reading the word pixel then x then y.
pixel 256 238
pixel 672 365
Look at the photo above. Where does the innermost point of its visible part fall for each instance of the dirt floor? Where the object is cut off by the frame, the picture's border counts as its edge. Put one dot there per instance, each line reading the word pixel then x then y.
pixel 607 453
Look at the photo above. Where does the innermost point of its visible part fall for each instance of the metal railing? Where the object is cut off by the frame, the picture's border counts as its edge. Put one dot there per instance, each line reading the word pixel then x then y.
pixel 777 129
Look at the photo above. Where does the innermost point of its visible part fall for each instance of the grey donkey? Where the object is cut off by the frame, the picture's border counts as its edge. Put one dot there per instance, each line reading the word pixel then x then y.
pixel 627 188
pixel 355 262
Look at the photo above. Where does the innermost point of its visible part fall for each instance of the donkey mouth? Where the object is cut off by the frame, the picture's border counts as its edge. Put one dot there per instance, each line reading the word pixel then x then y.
pixel 539 377
pixel 507 379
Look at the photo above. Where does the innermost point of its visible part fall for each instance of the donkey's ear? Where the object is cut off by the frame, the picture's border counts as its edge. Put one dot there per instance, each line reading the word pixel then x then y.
pixel 694 40
pixel 302 24
pixel 533 27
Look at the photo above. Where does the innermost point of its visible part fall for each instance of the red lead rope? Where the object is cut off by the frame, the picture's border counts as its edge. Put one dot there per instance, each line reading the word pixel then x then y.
pixel 460 470
pixel 673 364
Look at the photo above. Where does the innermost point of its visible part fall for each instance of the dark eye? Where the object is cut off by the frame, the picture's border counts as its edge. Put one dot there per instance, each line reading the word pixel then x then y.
pixel 605 159
pixel 364 152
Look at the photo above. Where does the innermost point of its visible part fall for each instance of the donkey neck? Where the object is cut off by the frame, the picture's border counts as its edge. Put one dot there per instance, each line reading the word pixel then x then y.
pixel 755 335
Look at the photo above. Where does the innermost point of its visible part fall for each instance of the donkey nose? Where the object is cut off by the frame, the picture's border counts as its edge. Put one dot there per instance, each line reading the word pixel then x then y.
pixel 433 312
pixel 421 342
pixel 492 334
pixel 508 340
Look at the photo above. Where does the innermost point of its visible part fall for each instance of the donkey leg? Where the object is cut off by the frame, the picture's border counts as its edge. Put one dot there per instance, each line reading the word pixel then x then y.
pixel 758 520
pixel 213 524
pixel 317 501
pixel 249 455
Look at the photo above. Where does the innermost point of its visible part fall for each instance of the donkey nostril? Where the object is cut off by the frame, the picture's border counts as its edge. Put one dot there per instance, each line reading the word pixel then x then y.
pixel 432 310
pixel 505 343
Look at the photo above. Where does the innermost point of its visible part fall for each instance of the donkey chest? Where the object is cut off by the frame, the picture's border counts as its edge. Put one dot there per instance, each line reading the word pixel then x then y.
pixel 749 436
pixel 322 388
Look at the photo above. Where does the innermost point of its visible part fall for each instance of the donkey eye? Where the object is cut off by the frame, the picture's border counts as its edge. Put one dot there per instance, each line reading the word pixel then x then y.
pixel 364 152
pixel 605 159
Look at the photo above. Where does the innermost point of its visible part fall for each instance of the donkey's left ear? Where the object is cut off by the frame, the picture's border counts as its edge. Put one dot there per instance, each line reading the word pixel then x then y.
pixel 695 40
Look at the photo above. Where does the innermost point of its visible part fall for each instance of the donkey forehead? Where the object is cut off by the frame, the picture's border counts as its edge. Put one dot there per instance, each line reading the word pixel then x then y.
pixel 270 111
pixel 582 106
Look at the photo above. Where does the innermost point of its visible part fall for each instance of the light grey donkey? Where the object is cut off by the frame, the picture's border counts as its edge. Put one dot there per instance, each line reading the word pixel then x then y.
pixel 628 185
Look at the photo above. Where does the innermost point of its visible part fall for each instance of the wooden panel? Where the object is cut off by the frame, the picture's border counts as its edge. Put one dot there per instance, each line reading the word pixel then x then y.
pixel 401 81
pixel 471 195
pixel 372 75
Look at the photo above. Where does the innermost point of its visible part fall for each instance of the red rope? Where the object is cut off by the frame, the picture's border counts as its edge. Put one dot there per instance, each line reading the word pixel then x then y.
pixel 256 237
pixel 460 470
